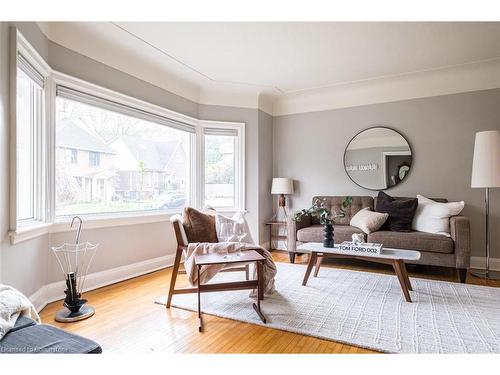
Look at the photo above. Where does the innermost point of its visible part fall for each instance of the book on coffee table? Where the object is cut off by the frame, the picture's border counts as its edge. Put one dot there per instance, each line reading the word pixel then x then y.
pixel 361 248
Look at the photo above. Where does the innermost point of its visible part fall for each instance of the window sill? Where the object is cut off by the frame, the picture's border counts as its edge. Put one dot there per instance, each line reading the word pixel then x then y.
pixel 95 222
pixel 89 222
pixel 29 232
pixel 106 221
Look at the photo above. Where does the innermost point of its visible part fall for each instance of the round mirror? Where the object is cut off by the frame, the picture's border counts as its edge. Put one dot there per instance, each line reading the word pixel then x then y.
pixel 377 158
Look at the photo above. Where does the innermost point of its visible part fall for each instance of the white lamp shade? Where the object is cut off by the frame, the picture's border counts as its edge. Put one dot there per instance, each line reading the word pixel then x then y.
pixel 282 186
pixel 486 162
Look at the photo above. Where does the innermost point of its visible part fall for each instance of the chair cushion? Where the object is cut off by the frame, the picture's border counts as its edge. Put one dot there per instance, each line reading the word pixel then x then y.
pixel 429 242
pixel 315 233
pixel 199 227
pixel 43 338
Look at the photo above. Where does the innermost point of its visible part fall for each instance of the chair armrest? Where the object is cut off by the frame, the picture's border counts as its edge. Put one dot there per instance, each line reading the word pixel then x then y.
pixel 460 234
pixel 292 228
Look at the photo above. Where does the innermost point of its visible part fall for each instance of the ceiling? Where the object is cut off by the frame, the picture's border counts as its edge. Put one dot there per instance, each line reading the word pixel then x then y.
pixel 301 56
pixel 281 58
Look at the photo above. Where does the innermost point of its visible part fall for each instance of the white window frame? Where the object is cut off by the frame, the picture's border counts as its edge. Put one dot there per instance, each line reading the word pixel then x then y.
pixel 239 179
pixel 19 45
pixel 48 222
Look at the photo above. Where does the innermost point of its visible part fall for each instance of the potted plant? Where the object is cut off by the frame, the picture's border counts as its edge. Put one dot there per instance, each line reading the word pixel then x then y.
pixel 325 216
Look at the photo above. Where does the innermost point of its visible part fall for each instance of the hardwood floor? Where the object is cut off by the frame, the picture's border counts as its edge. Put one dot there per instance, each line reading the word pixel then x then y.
pixel 127 320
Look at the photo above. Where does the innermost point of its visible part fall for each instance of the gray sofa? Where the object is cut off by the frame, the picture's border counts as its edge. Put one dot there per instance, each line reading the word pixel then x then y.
pixel 27 337
pixel 436 250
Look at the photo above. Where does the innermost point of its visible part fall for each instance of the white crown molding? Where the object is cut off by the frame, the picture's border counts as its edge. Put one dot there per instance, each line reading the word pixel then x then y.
pixel 465 78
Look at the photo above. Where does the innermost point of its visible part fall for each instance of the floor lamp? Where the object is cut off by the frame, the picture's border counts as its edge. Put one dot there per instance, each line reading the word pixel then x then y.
pixel 486 174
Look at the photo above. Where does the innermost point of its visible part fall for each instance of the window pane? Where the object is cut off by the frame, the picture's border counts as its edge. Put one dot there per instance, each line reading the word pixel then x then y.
pixel 108 162
pixel 26 115
pixel 220 170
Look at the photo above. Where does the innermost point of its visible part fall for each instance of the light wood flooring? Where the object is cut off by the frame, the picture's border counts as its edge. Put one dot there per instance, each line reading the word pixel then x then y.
pixel 127 320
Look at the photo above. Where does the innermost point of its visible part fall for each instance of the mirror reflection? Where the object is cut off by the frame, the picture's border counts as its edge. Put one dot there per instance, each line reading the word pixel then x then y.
pixel 378 158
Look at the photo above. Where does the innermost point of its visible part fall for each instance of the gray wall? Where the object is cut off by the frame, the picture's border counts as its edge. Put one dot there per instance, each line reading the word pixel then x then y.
pixel 309 147
pixel 80 66
pixel 265 153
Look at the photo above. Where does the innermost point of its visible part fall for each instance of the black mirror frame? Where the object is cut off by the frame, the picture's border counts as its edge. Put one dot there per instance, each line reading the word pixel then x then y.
pixel 378 127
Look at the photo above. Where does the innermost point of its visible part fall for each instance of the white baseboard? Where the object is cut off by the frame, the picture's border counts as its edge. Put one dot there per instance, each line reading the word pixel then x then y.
pixel 479 263
pixel 55 291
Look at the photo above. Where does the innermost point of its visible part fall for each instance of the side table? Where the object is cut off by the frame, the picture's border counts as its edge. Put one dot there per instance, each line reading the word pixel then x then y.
pixel 275 236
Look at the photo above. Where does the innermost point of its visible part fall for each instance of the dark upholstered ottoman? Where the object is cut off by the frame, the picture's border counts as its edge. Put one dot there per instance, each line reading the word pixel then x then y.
pixel 28 337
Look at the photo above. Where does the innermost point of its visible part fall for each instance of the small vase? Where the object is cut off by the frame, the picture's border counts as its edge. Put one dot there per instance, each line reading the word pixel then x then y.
pixel 328 241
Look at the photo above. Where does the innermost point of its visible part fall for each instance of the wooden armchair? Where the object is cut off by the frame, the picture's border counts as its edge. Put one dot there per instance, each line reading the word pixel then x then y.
pixel 182 242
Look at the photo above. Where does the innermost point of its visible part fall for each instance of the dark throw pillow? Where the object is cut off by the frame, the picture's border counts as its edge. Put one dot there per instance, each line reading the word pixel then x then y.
pixel 199 227
pixel 401 212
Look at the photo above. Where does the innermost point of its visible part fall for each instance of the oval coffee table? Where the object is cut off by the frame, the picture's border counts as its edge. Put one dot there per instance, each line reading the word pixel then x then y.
pixel 394 257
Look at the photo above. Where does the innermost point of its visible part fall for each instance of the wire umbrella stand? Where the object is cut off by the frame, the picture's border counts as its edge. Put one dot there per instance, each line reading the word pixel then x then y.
pixel 74 261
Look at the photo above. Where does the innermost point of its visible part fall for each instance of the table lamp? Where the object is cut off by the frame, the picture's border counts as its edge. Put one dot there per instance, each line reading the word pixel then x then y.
pixel 282 186
pixel 486 174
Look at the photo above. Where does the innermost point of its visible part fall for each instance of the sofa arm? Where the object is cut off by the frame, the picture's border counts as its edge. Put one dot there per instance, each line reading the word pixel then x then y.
pixel 460 234
pixel 292 228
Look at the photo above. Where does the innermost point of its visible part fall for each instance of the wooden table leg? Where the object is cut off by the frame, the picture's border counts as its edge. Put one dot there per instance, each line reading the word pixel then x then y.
pixel 271 238
pixel 260 291
pixel 260 281
pixel 318 265
pixel 399 273
pixel 404 271
pixel 312 260
pixel 200 325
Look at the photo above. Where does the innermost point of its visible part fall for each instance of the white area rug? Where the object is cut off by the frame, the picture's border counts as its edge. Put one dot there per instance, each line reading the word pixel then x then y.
pixel 368 310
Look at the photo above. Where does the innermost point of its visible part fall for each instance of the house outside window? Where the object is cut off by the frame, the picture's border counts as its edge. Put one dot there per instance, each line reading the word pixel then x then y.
pixel 72 156
pixel 94 159
pixel 129 159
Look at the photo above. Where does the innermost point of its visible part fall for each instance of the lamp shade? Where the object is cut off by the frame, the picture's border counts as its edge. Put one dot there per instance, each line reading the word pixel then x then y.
pixel 486 162
pixel 282 186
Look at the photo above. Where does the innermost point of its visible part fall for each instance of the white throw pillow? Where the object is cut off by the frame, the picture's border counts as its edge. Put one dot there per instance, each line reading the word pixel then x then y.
pixel 368 221
pixel 434 217
pixel 238 219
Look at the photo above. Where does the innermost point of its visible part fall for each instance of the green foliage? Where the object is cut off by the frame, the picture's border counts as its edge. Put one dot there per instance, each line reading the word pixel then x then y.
pixel 319 210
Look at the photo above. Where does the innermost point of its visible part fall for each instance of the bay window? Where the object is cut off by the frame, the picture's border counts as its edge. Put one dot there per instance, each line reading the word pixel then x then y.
pixel 81 149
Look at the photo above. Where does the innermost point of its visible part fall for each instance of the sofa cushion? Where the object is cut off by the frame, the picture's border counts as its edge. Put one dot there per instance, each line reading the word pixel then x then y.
pixel 315 233
pixel 368 221
pixel 401 212
pixel 434 243
pixel 434 217
pixel 334 203
pixel 43 338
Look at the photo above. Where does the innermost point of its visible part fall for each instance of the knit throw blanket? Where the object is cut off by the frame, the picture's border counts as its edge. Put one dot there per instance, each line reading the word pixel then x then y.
pixel 208 272
pixel 13 304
